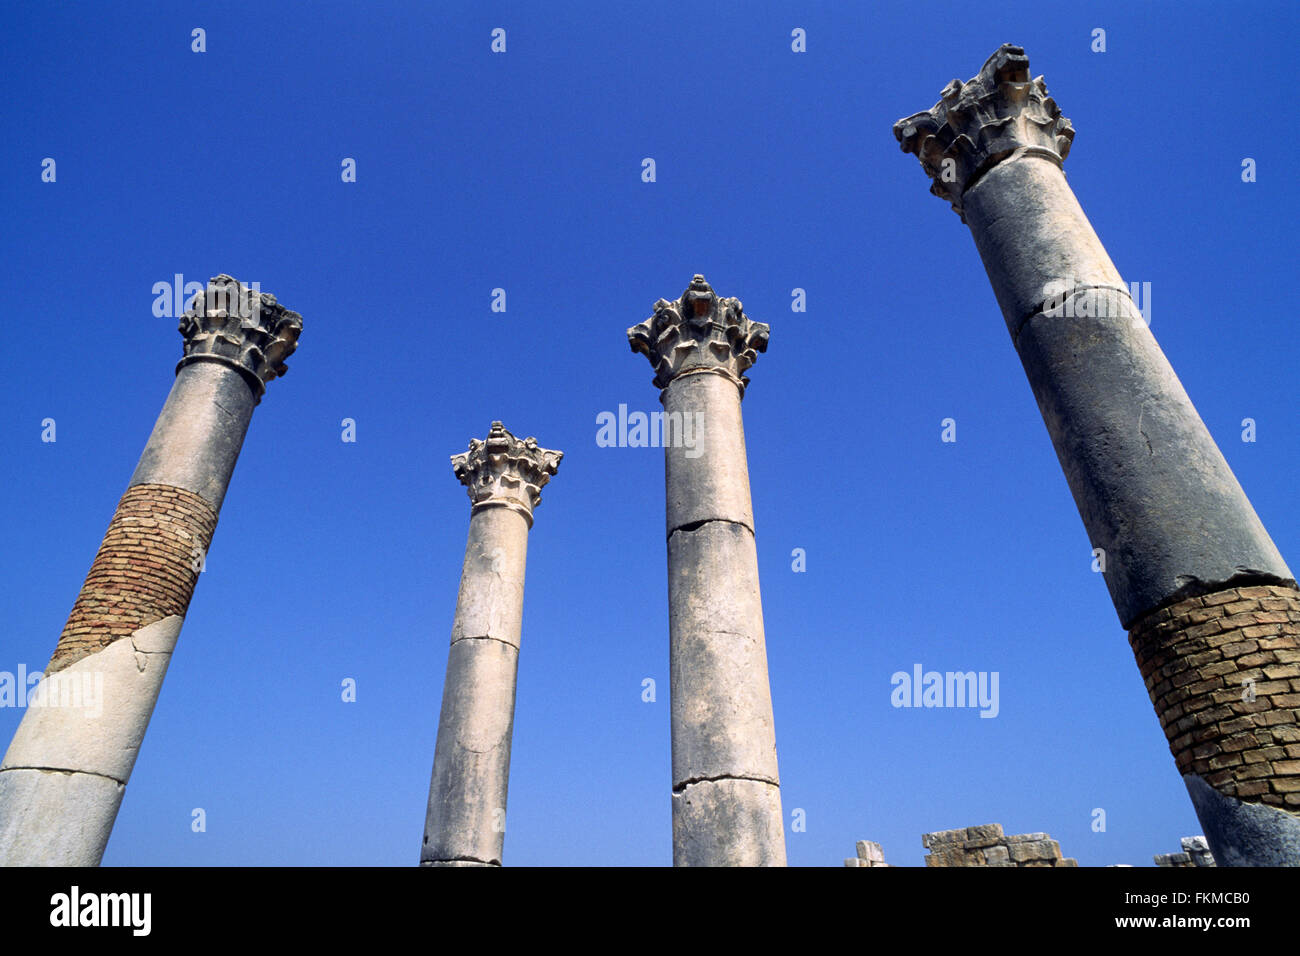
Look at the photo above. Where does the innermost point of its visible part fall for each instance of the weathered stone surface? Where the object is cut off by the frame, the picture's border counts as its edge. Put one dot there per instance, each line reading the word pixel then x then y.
pixel 241 328
pixel 985 835
pixel 699 331
pixel 987 845
pixel 1151 486
pixel 710 481
pixel 56 819
pixel 721 702
pixel 471 765
pixel 1244 834
pixel 72 755
pixel 944 836
pixel 95 711
pixel 728 823
pixel 997 855
pixel 997 113
pixel 1037 245
pixel 1037 850
pixel 197 438
pixel 491 597
pixel 868 850
pixel 503 470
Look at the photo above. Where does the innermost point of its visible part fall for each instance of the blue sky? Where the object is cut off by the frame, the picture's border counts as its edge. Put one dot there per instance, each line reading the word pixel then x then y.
pixel 522 171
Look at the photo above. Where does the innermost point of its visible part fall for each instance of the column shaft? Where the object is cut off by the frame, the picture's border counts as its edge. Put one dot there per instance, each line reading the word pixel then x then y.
pixel 726 790
pixel 465 820
pixel 726 796
pixel 64 775
pixel 465 823
pixel 1212 609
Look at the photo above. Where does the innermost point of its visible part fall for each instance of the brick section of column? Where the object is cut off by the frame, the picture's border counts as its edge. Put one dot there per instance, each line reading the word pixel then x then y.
pixel 1196 657
pixel 144 570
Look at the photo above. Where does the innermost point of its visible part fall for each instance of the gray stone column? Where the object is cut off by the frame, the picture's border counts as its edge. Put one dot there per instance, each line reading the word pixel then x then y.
pixel 466 819
pixel 726 794
pixel 64 775
pixel 1211 607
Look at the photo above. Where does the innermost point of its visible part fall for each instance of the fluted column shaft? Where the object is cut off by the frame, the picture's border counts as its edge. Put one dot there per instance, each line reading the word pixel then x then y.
pixel 465 819
pixel 64 775
pixel 726 796
pixel 1211 607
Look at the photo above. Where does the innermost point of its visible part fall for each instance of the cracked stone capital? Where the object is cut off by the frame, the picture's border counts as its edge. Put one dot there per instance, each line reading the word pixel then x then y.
pixel 242 328
pixel 502 469
pixel 699 332
pixel 977 124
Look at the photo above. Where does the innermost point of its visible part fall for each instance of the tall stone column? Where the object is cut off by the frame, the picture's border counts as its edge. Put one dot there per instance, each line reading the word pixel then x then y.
pixel 726 794
pixel 63 777
pixel 466 819
pixel 1212 610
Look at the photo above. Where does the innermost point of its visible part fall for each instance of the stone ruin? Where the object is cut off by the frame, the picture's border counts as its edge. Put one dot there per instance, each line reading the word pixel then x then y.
pixel 1211 608
pixel 1196 852
pixel 987 845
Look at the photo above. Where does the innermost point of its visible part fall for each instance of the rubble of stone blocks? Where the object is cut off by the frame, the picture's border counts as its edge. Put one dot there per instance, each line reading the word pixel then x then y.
pixel 1196 852
pixel 987 845
pixel 869 854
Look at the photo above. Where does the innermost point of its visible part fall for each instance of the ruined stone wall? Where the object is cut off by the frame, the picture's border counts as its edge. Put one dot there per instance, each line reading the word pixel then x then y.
pixel 869 854
pixel 1196 852
pixel 987 845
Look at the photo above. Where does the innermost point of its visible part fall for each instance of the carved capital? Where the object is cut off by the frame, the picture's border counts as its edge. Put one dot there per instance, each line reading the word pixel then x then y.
pixel 243 328
pixel 503 470
pixel 981 122
pixel 699 332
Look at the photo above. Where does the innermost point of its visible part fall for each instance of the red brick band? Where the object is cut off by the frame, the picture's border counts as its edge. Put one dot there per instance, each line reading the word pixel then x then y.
pixel 144 571
pixel 1223 672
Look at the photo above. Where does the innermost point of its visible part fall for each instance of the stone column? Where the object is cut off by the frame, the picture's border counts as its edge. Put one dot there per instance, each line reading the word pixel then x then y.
pixel 466 819
pixel 63 777
pixel 726 795
pixel 1212 610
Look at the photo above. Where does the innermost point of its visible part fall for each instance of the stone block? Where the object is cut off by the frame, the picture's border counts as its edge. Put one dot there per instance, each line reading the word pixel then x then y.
pixel 929 840
pixel 1038 850
pixel 996 855
pixel 869 850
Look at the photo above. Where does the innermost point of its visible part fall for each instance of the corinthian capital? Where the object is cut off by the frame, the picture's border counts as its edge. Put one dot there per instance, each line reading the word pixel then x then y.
pixel 502 470
pixel 243 328
pixel 699 332
pixel 981 122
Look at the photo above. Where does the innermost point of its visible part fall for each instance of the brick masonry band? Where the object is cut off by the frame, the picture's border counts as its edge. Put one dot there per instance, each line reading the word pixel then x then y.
pixel 144 571
pixel 1153 490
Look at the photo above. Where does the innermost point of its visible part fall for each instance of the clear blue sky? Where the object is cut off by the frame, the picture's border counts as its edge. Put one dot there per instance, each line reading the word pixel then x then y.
pixel 522 171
